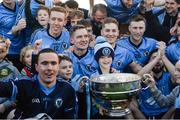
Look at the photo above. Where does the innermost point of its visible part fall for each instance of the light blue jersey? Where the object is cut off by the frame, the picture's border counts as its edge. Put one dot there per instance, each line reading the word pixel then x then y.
pixel 147 103
pixel 142 52
pixel 173 52
pixel 58 44
pixel 7 20
pixel 122 58
pixel 118 10
pixel 85 66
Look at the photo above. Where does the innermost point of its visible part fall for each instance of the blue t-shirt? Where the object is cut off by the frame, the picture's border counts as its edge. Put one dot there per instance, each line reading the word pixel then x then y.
pixel 118 10
pixel 122 58
pixel 58 44
pixel 173 52
pixel 84 66
pixel 141 52
pixel 7 20
pixel 147 103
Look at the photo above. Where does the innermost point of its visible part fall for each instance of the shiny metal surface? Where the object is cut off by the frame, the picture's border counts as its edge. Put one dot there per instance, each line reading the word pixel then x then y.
pixel 116 90
pixel 115 86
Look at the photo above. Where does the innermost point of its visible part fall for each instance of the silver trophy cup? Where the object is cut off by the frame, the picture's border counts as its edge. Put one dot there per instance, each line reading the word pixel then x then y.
pixel 116 90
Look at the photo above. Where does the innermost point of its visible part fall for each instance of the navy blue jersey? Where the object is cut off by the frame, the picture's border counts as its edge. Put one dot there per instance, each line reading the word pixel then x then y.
pixel 141 52
pixel 122 58
pixel 147 103
pixel 173 52
pixel 7 20
pixel 32 100
pixel 118 10
pixel 84 66
pixel 58 44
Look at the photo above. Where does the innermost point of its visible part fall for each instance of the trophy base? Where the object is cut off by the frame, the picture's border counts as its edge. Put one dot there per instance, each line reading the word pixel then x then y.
pixel 118 112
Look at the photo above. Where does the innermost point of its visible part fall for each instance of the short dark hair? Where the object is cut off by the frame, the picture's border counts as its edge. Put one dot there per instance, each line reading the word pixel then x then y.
pixel 76 27
pixel 76 13
pixel 46 50
pixel 100 7
pixel 137 18
pixel 85 22
pixel 64 57
pixel 177 1
pixel 71 4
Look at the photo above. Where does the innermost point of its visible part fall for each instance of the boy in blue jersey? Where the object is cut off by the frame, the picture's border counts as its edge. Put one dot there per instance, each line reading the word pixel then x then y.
pixel 147 105
pixel 173 99
pixel 161 20
pixel 8 13
pixel 54 37
pixel 83 60
pixel 141 47
pixel 173 50
pixel 44 93
pixel 123 10
pixel 122 57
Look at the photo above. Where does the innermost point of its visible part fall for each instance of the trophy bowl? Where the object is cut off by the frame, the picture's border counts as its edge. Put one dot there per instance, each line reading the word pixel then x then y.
pixel 116 89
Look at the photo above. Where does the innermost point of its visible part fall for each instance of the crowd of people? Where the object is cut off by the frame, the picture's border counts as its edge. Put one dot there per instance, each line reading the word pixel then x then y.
pixel 50 50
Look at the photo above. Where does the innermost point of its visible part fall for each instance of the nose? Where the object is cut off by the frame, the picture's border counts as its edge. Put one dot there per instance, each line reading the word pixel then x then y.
pixel 49 67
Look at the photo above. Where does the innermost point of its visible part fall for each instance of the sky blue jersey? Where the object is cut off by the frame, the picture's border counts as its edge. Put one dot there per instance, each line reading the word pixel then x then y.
pixel 7 20
pixel 85 66
pixel 59 44
pixel 141 52
pixel 118 10
pixel 147 103
pixel 173 52
pixel 122 58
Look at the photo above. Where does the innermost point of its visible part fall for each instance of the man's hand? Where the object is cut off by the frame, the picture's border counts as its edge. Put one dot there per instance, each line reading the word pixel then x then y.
pixel 148 80
pixel 161 48
pixel 21 24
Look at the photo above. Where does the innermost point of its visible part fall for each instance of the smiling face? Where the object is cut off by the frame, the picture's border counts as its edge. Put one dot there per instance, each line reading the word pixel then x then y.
pixel 47 68
pixel 43 17
pixel 56 23
pixel 171 6
pixel 80 39
pixel 105 62
pixel 111 32
pixel 137 29
pixel 65 69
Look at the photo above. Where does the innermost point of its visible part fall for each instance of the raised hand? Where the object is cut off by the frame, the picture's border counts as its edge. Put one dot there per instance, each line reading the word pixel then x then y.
pixel 21 24
pixel 37 45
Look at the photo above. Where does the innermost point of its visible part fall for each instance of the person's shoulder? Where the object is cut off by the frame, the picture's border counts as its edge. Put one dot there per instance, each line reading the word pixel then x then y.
pixel 158 10
pixel 40 30
pixel 65 85
pixel 148 39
